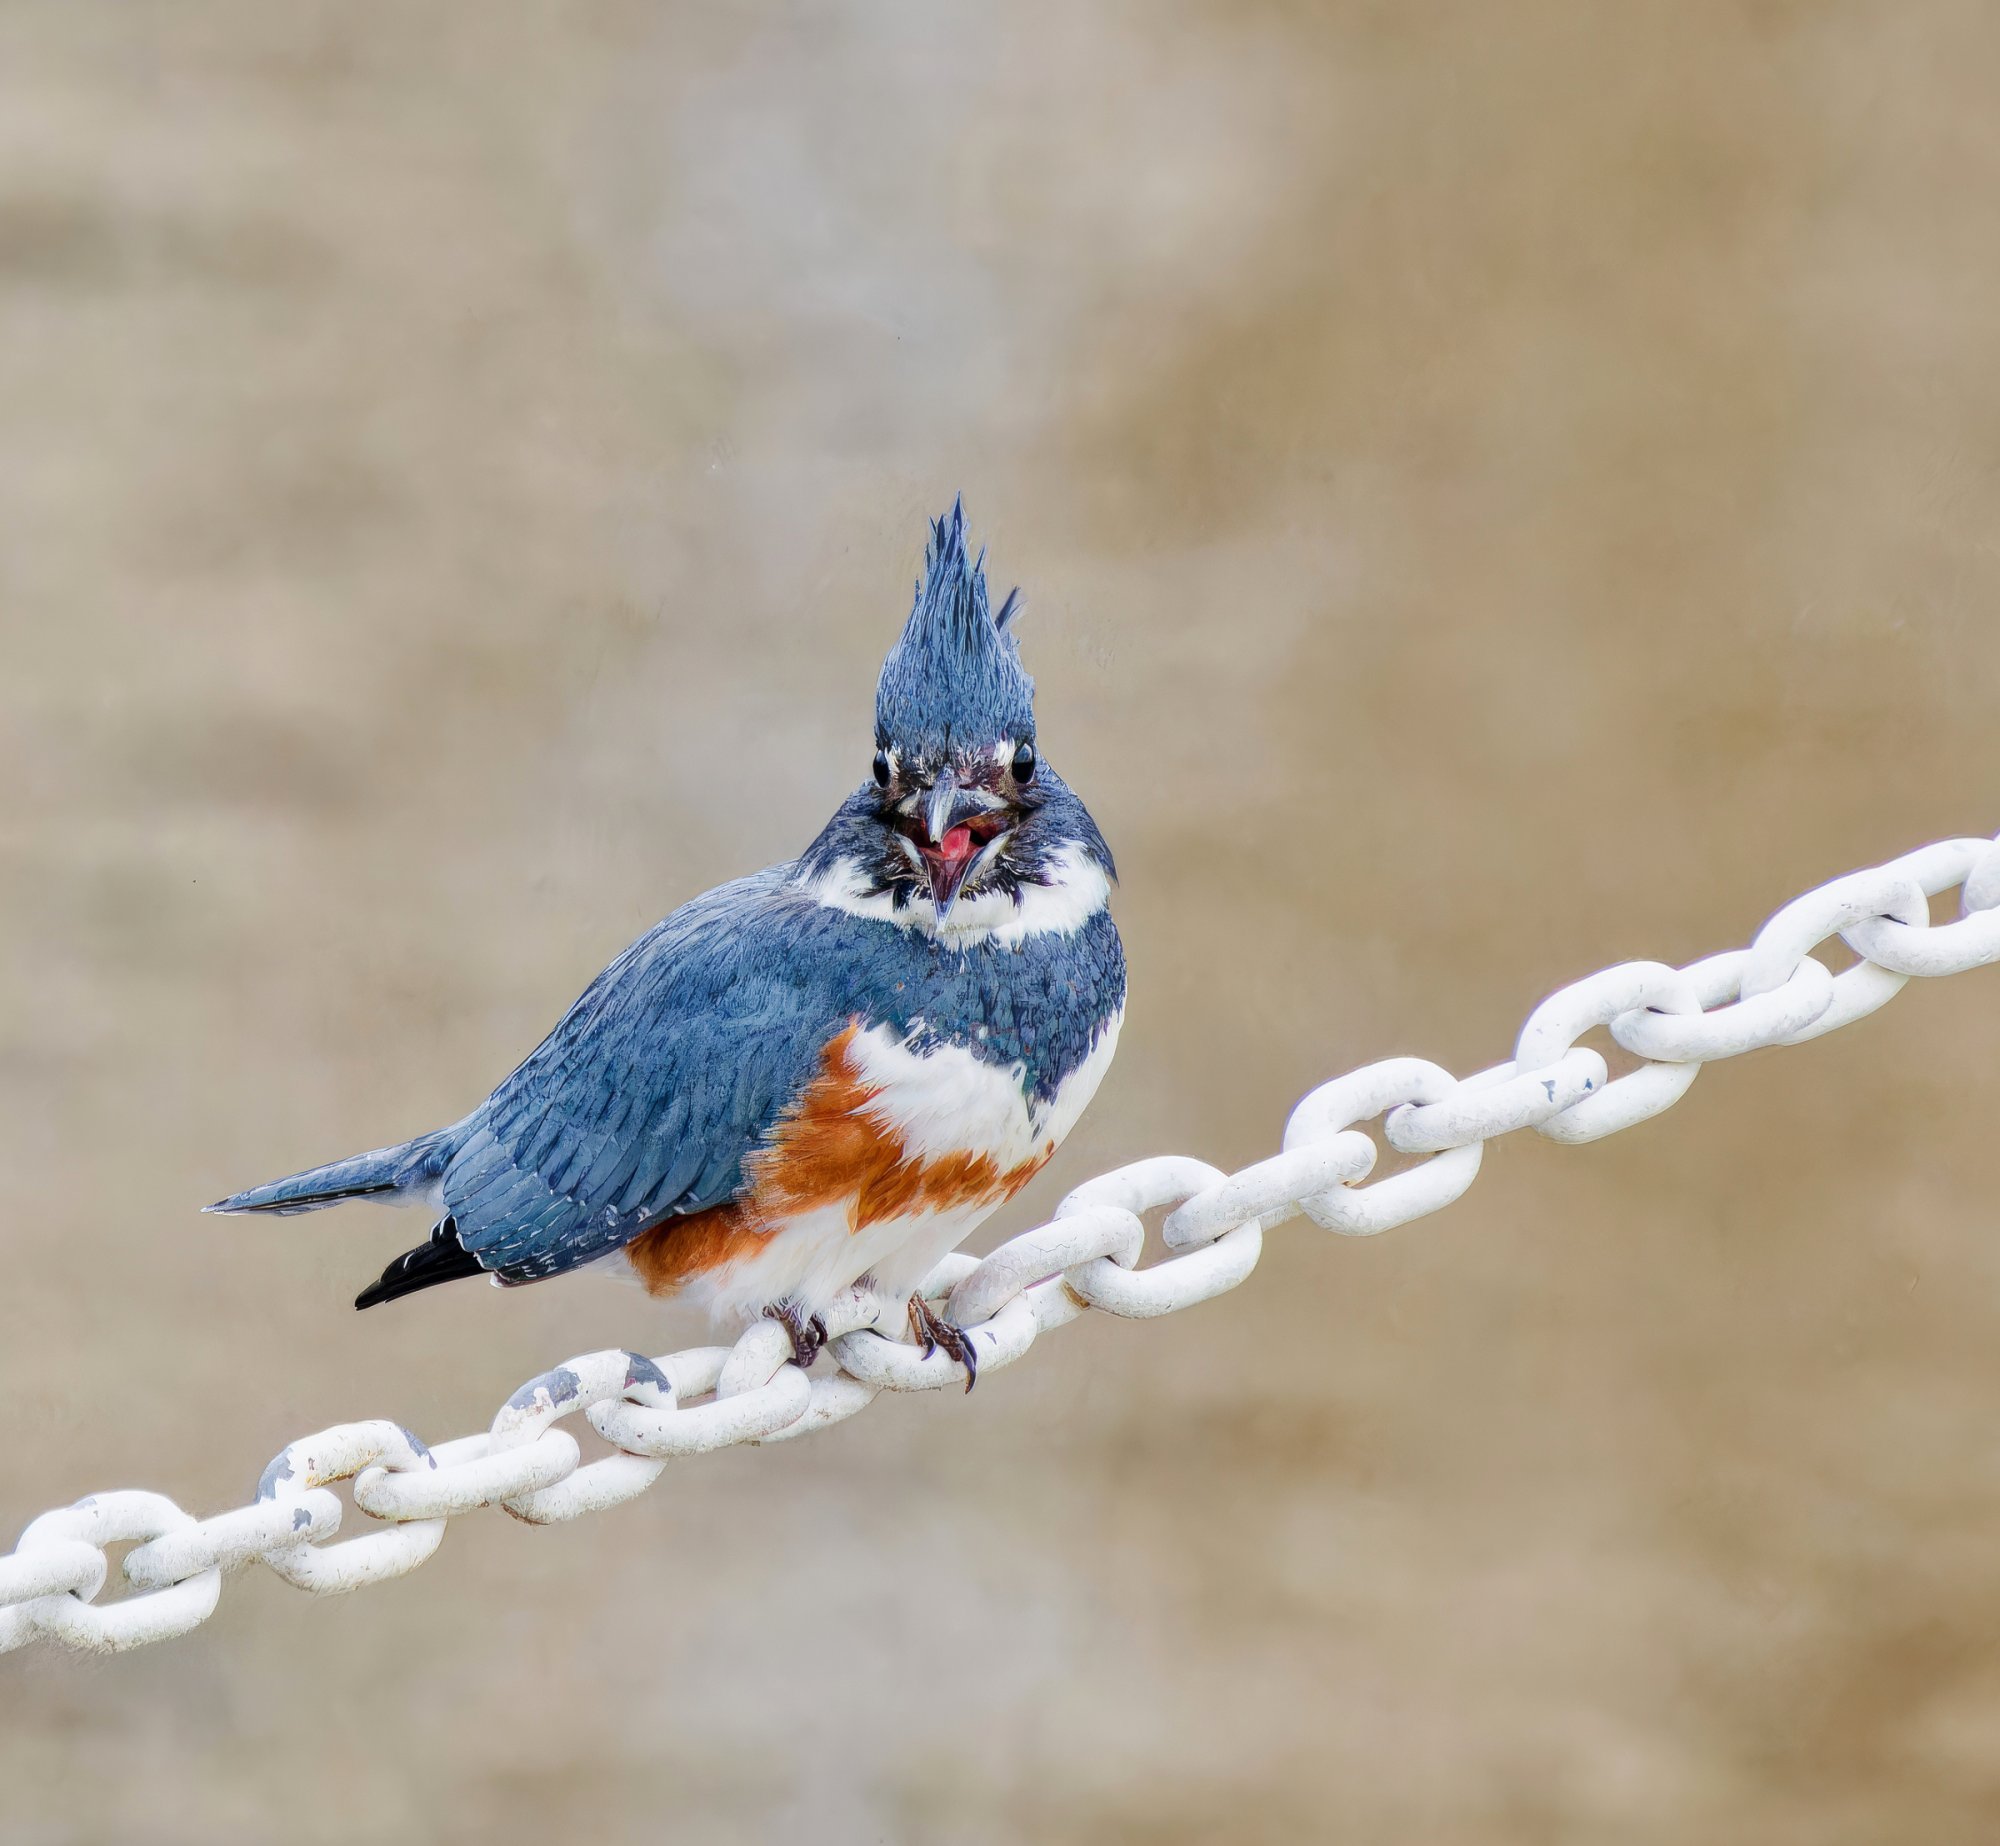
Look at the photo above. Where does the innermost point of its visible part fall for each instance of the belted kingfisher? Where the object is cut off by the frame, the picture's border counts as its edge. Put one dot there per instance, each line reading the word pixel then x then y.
pixel 823 1075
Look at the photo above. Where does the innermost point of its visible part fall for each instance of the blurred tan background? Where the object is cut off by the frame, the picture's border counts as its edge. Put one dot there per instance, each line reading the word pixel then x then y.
pixel 1499 491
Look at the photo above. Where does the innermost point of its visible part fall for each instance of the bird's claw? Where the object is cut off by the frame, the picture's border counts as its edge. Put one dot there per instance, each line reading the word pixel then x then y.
pixel 936 1334
pixel 808 1331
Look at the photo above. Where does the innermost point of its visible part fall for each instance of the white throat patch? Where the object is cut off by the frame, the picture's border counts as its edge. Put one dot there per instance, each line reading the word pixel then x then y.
pixel 1076 891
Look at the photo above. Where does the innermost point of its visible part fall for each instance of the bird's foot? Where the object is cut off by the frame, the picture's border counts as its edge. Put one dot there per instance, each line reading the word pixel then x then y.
pixel 936 1334
pixel 808 1331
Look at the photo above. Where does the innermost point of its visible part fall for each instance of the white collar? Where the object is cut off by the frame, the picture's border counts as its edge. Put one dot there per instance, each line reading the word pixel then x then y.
pixel 1074 892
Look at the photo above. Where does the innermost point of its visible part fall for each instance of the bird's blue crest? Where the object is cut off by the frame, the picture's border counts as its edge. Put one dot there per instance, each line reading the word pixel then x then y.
pixel 955 677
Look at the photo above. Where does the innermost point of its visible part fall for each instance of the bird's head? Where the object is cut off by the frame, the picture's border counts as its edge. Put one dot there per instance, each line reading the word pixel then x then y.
pixel 959 806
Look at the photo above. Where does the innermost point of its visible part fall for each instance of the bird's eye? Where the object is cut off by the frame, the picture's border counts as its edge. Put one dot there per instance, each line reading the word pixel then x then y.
pixel 881 769
pixel 1024 763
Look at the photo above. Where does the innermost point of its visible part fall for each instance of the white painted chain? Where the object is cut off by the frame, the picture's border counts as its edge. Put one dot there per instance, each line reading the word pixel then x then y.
pixel 1673 1020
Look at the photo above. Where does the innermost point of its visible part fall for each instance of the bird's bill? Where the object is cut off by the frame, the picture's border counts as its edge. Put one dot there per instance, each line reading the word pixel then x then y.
pixel 941 806
pixel 951 829
pixel 964 827
pixel 946 864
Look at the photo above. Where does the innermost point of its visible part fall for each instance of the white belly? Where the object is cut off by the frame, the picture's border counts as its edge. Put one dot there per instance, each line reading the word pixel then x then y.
pixel 934 1105
pixel 816 1258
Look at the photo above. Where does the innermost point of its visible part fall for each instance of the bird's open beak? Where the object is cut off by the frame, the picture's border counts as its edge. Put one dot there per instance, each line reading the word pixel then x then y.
pixel 959 823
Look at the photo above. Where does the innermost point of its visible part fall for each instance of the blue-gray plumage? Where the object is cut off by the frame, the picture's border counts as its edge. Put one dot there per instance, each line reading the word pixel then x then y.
pixel 823 1074
pixel 957 669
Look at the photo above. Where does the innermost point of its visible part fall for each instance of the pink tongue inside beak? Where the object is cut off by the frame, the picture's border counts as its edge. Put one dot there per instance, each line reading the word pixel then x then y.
pixel 948 862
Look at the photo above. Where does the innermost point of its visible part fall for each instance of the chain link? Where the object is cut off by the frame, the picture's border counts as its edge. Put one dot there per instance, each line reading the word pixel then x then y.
pixel 1674 1020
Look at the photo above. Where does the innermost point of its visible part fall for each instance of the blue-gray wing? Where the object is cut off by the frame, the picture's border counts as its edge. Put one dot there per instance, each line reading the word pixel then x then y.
pixel 646 1099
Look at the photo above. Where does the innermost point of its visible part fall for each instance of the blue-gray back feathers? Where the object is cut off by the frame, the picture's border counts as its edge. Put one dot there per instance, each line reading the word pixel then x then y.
pixel 645 1102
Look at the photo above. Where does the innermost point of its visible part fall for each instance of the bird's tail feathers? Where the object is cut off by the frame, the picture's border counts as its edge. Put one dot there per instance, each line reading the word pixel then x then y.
pixel 442 1259
pixel 386 1173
